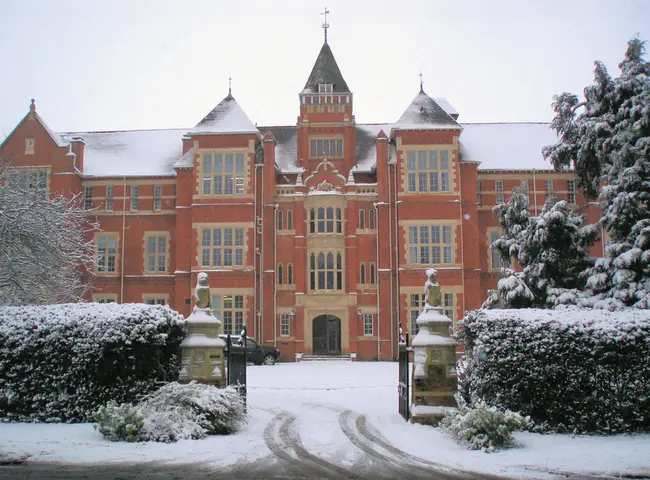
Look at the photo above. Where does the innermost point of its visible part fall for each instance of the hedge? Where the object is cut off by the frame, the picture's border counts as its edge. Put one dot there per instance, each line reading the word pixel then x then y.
pixel 61 362
pixel 569 369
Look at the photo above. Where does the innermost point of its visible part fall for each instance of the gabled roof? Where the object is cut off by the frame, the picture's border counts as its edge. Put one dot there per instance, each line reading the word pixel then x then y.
pixel 425 114
pixel 325 70
pixel 56 138
pixel 226 118
pixel 187 160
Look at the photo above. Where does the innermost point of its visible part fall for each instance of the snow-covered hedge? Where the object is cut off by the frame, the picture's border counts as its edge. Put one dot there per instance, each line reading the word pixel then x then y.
pixel 173 413
pixel 61 362
pixel 569 369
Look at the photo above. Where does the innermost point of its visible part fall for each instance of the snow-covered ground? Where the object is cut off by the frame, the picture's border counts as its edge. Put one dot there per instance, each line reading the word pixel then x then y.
pixel 322 397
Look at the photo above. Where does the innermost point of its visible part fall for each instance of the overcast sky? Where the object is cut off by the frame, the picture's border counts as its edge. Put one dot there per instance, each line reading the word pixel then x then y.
pixel 139 64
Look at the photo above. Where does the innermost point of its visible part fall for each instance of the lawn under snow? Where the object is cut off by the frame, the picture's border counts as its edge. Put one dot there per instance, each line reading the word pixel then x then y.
pixel 316 393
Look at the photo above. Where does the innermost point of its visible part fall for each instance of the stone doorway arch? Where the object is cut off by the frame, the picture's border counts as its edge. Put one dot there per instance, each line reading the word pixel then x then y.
pixel 326 331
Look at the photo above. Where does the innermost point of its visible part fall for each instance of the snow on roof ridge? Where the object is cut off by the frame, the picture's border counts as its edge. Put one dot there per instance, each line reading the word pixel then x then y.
pixel 124 131
pixel 226 118
pixel 508 123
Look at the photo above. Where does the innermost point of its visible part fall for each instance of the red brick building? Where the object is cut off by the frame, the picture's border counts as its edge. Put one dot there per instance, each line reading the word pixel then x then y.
pixel 315 235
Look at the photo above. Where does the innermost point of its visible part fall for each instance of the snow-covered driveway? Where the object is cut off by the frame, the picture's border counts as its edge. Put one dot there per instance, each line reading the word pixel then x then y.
pixel 321 420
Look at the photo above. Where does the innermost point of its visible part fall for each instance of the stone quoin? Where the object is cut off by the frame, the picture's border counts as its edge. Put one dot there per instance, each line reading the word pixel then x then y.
pixel 314 235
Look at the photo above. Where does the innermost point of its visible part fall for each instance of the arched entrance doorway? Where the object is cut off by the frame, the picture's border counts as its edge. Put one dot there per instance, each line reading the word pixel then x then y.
pixel 327 335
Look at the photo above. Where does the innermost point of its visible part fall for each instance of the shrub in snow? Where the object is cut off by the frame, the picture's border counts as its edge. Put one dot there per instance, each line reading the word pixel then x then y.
pixel 174 412
pixel 120 422
pixel 569 369
pixel 483 427
pixel 61 362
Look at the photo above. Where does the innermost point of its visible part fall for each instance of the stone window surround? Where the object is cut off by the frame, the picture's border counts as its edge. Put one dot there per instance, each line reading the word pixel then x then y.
pixel 245 292
pixel 116 236
pixel 156 297
pixel 336 138
pixel 404 225
pixel 325 251
pixel 34 169
pixel 249 153
pixel 198 229
pixel 105 297
pixel 145 258
pixel 452 148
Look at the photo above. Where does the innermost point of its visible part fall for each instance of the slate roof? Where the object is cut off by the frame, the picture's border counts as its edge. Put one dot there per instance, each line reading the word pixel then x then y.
pixel 326 70
pixel 226 118
pixel 425 114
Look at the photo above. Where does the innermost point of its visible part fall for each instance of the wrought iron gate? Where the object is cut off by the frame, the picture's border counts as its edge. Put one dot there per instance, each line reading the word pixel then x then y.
pixel 236 368
pixel 403 387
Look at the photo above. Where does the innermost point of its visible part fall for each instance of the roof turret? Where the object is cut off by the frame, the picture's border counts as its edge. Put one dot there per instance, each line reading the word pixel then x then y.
pixel 226 118
pixel 424 113
pixel 326 71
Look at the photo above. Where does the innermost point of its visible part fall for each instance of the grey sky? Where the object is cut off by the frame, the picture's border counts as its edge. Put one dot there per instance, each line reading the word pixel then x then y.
pixel 126 64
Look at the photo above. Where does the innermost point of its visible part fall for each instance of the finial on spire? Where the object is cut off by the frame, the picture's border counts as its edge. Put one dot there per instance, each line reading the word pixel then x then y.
pixel 32 107
pixel 326 25
pixel 421 87
pixel 230 85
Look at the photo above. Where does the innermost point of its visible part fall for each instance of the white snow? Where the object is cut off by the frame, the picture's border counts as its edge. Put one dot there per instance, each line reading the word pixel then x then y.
pixel 317 393
pixel 202 340
pixel 134 153
pixel 187 160
pixel 506 146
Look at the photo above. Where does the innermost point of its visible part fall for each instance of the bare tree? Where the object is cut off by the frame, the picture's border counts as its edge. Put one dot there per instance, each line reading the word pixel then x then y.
pixel 45 256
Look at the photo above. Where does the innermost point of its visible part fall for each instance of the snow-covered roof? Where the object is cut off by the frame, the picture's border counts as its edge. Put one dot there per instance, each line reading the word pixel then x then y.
pixel 226 118
pixel 286 149
pixel 187 160
pixel 425 114
pixel 506 146
pixel 446 106
pixel 325 70
pixel 367 145
pixel 135 153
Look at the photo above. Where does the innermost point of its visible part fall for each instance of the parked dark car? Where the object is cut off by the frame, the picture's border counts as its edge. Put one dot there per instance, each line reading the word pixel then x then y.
pixel 256 353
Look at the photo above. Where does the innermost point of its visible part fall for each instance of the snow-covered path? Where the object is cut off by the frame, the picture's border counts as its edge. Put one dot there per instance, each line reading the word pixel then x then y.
pixel 326 420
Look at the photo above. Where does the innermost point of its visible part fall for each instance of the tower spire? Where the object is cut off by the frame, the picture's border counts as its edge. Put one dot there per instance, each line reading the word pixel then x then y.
pixel 326 25
pixel 421 87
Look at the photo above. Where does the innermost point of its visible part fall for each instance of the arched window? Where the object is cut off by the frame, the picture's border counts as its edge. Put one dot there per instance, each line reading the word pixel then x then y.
pixel 280 274
pixel 362 276
pixel 339 221
pixel 326 271
pixel 280 220
pixel 289 219
pixel 312 221
pixel 372 273
pixel 371 219
pixel 289 274
pixel 362 219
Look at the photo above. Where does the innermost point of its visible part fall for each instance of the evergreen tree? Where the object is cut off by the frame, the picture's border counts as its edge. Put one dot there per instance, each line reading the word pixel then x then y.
pixel 513 217
pixel 609 143
pixel 553 251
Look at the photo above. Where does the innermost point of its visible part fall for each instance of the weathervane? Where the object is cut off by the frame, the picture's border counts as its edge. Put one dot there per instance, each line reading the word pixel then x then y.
pixel 325 24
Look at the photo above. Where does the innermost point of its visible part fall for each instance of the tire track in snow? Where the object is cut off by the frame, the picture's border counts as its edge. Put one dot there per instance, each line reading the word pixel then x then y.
pixel 284 441
pixel 370 441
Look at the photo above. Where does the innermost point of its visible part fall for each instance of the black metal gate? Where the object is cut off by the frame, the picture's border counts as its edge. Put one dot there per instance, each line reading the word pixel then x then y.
pixel 236 367
pixel 403 387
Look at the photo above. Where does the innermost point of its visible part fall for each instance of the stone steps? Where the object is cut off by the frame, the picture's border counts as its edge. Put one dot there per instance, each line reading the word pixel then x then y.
pixel 325 358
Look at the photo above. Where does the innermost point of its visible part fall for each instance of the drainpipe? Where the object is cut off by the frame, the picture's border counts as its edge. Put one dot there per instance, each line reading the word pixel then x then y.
pixel 261 303
pixel 123 235
pixel 255 255
pixel 275 274
pixel 390 263
pixel 397 253
pixel 462 250
pixel 377 280
pixel 535 192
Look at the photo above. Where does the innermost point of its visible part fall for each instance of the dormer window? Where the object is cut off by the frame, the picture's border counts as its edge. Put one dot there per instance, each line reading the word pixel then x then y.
pixel 325 88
